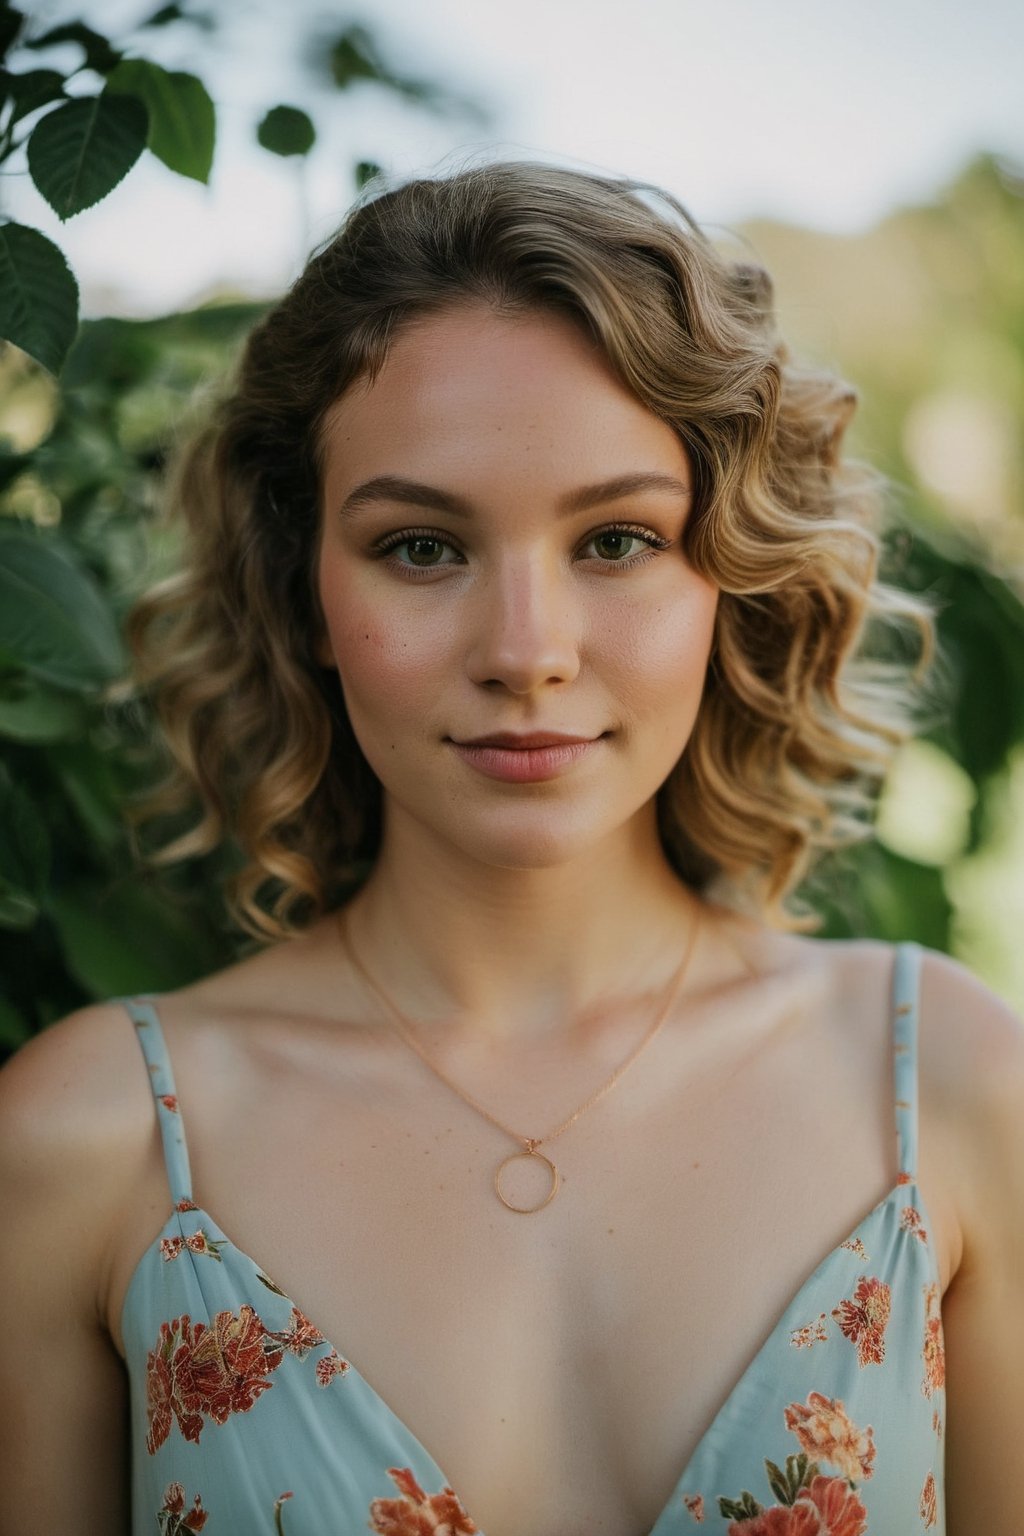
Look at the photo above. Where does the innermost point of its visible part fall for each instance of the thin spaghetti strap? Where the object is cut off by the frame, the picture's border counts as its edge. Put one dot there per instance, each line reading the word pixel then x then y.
pixel 154 1049
pixel 905 990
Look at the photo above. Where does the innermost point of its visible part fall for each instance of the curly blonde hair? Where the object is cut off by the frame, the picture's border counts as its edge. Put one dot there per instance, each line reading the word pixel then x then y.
pixel 798 723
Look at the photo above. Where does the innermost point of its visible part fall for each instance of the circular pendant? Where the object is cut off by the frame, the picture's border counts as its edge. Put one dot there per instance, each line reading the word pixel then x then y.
pixel 526 1210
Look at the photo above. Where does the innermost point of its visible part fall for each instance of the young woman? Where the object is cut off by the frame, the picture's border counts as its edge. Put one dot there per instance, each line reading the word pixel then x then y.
pixel 539 1173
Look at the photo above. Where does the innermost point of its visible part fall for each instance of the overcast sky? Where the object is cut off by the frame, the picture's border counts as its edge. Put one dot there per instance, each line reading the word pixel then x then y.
pixel 823 114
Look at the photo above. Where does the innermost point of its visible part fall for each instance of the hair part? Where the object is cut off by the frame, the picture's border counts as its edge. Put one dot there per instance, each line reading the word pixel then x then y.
pixel 798 723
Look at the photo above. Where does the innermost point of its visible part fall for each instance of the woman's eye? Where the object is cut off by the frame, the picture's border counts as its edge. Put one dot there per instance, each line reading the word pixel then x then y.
pixel 615 547
pixel 425 545
pixel 616 542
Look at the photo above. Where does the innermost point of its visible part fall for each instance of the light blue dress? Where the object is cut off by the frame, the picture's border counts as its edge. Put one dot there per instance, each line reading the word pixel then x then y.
pixel 245 1419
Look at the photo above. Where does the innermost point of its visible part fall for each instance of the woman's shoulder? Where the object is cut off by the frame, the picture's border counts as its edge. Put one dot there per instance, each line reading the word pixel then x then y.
pixel 75 1125
pixel 69 1085
pixel 972 1046
pixel 75 1111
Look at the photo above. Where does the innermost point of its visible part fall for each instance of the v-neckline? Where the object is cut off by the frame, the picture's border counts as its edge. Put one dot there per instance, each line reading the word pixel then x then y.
pixel 901 1189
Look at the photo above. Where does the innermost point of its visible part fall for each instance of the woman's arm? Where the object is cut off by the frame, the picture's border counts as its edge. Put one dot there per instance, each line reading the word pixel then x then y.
pixel 63 1388
pixel 976 1043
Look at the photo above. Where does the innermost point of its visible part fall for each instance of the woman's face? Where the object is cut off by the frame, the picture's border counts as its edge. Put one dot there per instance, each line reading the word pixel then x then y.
pixel 498 605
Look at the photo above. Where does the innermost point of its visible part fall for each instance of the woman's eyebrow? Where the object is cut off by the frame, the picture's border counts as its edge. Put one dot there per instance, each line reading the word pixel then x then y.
pixel 416 493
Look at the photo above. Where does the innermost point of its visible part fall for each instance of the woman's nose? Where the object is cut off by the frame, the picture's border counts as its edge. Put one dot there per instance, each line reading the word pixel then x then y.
pixel 525 626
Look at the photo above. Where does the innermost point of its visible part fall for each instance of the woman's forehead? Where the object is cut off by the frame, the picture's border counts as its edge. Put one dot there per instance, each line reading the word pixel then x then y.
pixel 480 390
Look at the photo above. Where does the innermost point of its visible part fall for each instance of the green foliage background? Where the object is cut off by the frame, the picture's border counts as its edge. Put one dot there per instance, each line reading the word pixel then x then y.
pixel 81 918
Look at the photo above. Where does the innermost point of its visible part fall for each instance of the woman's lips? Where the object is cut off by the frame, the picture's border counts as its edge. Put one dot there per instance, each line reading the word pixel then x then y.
pixel 524 765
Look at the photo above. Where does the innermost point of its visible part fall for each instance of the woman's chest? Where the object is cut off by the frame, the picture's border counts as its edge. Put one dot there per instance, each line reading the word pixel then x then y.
pixel 560 1366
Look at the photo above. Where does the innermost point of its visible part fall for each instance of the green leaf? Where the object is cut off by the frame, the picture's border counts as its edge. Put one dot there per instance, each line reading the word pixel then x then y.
pixel 25 851
pixel 182 121
pixel 745 1507
pixel 29 712
pixel 99 55
pixel 10 26
pixel 79 152
pixel 287 131
pixel 366 170
pixel 354 57
pixel 38 296
pixel 126 939
pixel 165 14
pixel 29 90
pixel 14 1030
pixel 778 1482
pixel 89 779
pixel 16 909
pixel 53 616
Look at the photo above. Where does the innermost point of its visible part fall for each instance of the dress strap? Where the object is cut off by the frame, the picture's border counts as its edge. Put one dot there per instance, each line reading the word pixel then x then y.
pixel 905 988
pixel 154 1049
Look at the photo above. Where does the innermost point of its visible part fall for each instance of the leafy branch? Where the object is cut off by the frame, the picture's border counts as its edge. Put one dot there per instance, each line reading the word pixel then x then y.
pixel 80 145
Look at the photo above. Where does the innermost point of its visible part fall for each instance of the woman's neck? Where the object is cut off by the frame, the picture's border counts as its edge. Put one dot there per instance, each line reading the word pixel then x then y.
pixel 536 957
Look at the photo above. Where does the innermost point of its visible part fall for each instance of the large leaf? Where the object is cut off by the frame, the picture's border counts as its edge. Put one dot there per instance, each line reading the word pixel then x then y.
pixel 92 781
pixel 287 131
pixel 79 152
pixel 128 939
pixel 182 122
pixel 30 711
pixel 34 88
pixel 25 855
pixel 53 617
pixel 38 295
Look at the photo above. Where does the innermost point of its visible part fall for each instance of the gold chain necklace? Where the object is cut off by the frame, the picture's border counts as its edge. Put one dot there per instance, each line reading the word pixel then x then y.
pixel 530 1143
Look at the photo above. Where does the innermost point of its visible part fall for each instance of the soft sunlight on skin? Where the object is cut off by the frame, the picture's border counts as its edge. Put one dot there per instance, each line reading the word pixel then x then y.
pixel 521 619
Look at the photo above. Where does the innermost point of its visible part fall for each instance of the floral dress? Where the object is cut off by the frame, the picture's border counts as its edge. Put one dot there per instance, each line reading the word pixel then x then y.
pixel 245 1419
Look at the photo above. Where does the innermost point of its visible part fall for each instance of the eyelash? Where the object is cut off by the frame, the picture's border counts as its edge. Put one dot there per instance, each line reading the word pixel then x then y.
pixel 406 536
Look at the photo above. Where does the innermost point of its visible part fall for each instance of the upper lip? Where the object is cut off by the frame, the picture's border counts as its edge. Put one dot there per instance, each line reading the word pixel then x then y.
pixel 531 739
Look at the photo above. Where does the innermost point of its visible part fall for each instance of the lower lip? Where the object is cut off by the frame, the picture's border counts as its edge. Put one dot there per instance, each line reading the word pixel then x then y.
pixel 524 765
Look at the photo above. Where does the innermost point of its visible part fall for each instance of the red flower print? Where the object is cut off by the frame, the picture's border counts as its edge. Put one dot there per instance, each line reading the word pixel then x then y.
pixel 810 1333
pixel 864 1319
pixel 417 1513
pixel 169 1100
pixel 910 1220
pixel 330 1366
pixel 300 1336
pixel 856 1245
pixel 695 1504
pixel 929 1503
pixel 229 1362
pixel 904 1178
pixel 828 1507
pixel 186 1205
pixel 827 1434
pixel 199 1370
pixel 166 1385
pixel 933 1352
pixel 199 1242
pixel 172 1519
